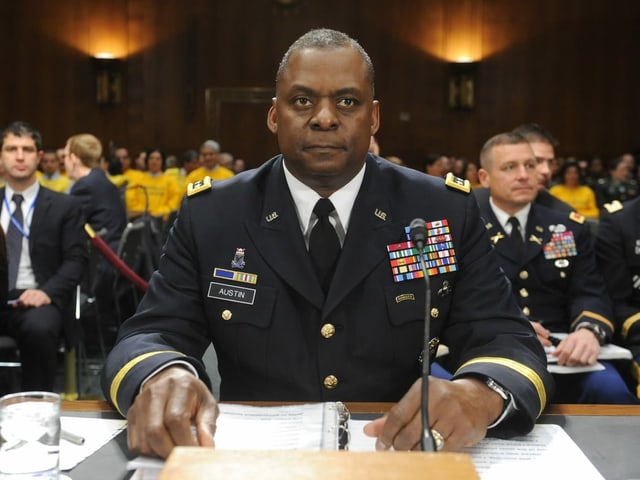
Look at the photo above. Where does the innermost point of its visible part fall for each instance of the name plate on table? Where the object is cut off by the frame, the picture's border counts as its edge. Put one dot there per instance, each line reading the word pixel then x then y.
pixel 199 463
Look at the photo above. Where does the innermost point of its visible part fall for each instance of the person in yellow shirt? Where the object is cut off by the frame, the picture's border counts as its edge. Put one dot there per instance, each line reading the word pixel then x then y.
pixel 209 152
pixel 156 193
pixel 187 163
pixel 580 197
pixel 51 176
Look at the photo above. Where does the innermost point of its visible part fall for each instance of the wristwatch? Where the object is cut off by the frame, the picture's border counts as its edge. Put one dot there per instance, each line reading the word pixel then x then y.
pixel 596 329
pixel 509 403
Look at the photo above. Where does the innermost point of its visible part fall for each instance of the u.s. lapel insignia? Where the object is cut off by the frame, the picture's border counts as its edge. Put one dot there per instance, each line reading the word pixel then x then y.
pixel 637 249
pixel 497 237
pixel 238 259
pixel 535 239
pixel 539 229
pixel 380 214
pixel 271 217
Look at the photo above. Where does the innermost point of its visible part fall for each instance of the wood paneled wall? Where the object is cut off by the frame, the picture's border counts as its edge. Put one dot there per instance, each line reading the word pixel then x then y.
pixel 570 65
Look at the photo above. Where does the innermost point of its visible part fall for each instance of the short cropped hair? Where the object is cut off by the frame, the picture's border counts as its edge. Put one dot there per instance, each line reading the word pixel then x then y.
pixel 210 144
pixel 506 138
pixel 325 39
pixel 22 129
pixel 532 132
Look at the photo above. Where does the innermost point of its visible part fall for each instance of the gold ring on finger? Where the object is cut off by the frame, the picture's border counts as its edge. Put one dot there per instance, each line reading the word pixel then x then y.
pixel 438 439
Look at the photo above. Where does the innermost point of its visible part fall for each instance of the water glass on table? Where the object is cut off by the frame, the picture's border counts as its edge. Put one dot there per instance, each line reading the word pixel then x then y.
pixel 29 436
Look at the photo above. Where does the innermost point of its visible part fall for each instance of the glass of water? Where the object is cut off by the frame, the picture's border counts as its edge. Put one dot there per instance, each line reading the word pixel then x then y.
pixel 29 436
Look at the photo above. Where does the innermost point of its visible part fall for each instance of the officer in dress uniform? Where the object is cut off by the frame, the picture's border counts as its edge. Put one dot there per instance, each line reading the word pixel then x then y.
pixel 548 256
pixel 618 253
pixel 240 269
pixel 618 185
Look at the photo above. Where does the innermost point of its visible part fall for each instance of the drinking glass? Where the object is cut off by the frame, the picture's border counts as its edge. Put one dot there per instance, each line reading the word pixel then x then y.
pixel 29 436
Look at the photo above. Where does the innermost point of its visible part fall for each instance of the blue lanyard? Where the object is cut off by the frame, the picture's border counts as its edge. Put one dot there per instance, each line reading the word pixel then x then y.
pixel 13 219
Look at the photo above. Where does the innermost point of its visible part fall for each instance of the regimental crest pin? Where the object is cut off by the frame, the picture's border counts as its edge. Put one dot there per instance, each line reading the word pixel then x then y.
pixel 238 259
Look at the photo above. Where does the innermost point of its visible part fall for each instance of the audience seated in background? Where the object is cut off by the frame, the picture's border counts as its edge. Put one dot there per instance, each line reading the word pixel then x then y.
pixel 548 256
pixel 155 193
pixel 436 165
pixel 47 252
pixel 52 177
pixel 209 152
pixel 571 191
pixel 187 162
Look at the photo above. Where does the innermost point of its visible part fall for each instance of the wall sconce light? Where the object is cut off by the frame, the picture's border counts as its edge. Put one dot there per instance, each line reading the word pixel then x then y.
pixel 109 80
pixel 462 85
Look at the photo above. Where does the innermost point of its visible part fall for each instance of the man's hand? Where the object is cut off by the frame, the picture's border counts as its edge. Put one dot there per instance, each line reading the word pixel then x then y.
pixel 578 348
pixel 164 411
pixel 542 333
pixel 33 298
pixel 461 410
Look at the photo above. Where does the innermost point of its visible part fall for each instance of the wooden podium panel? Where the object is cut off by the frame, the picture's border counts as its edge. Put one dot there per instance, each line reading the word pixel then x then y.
pixel 198 463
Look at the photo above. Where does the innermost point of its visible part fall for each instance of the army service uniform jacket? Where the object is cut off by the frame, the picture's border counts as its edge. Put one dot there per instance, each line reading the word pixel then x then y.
pixel 618 253
pixel 555 279
pixel 235 271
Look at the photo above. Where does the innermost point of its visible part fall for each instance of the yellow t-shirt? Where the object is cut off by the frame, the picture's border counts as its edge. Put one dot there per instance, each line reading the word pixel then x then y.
pixel 59 183
pixel 160 191
pixel 582 199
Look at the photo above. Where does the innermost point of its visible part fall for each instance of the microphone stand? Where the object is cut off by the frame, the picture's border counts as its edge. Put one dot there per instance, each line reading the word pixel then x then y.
pixel 418 235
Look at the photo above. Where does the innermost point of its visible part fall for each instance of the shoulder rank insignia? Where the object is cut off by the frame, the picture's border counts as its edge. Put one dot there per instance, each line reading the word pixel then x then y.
pixel 576 217
pixel 457 183
pixel 199 186
pixel 614 206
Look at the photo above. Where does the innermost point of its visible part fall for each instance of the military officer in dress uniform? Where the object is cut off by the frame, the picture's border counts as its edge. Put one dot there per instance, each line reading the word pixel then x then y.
pixel 618 253
pixel 241 269
pixel 543 145
pixel 618 185
pixel 549 258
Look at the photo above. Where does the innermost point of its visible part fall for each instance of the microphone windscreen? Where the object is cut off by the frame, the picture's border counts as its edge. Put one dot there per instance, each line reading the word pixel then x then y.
pixel 418 231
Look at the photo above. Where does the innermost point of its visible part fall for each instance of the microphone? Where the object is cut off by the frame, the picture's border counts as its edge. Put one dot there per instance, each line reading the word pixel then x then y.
pixel 418 235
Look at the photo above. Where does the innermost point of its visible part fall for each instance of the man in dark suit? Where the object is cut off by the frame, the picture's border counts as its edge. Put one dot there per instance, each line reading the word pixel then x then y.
pixel 4 274
pixel 47 253
pixel 548 256
pixel 240 269
pixel 104 210
pixel 618 253
pixel 101 201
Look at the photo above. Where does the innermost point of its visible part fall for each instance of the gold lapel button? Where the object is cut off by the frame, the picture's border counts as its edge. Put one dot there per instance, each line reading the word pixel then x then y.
pixel 327 330
pixel 330 381
pixel 226 315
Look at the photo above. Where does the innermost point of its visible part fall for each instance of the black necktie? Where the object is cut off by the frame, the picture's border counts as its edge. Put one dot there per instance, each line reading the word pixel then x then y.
pixel 324 246
pixel 516 234
pixel 14 240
